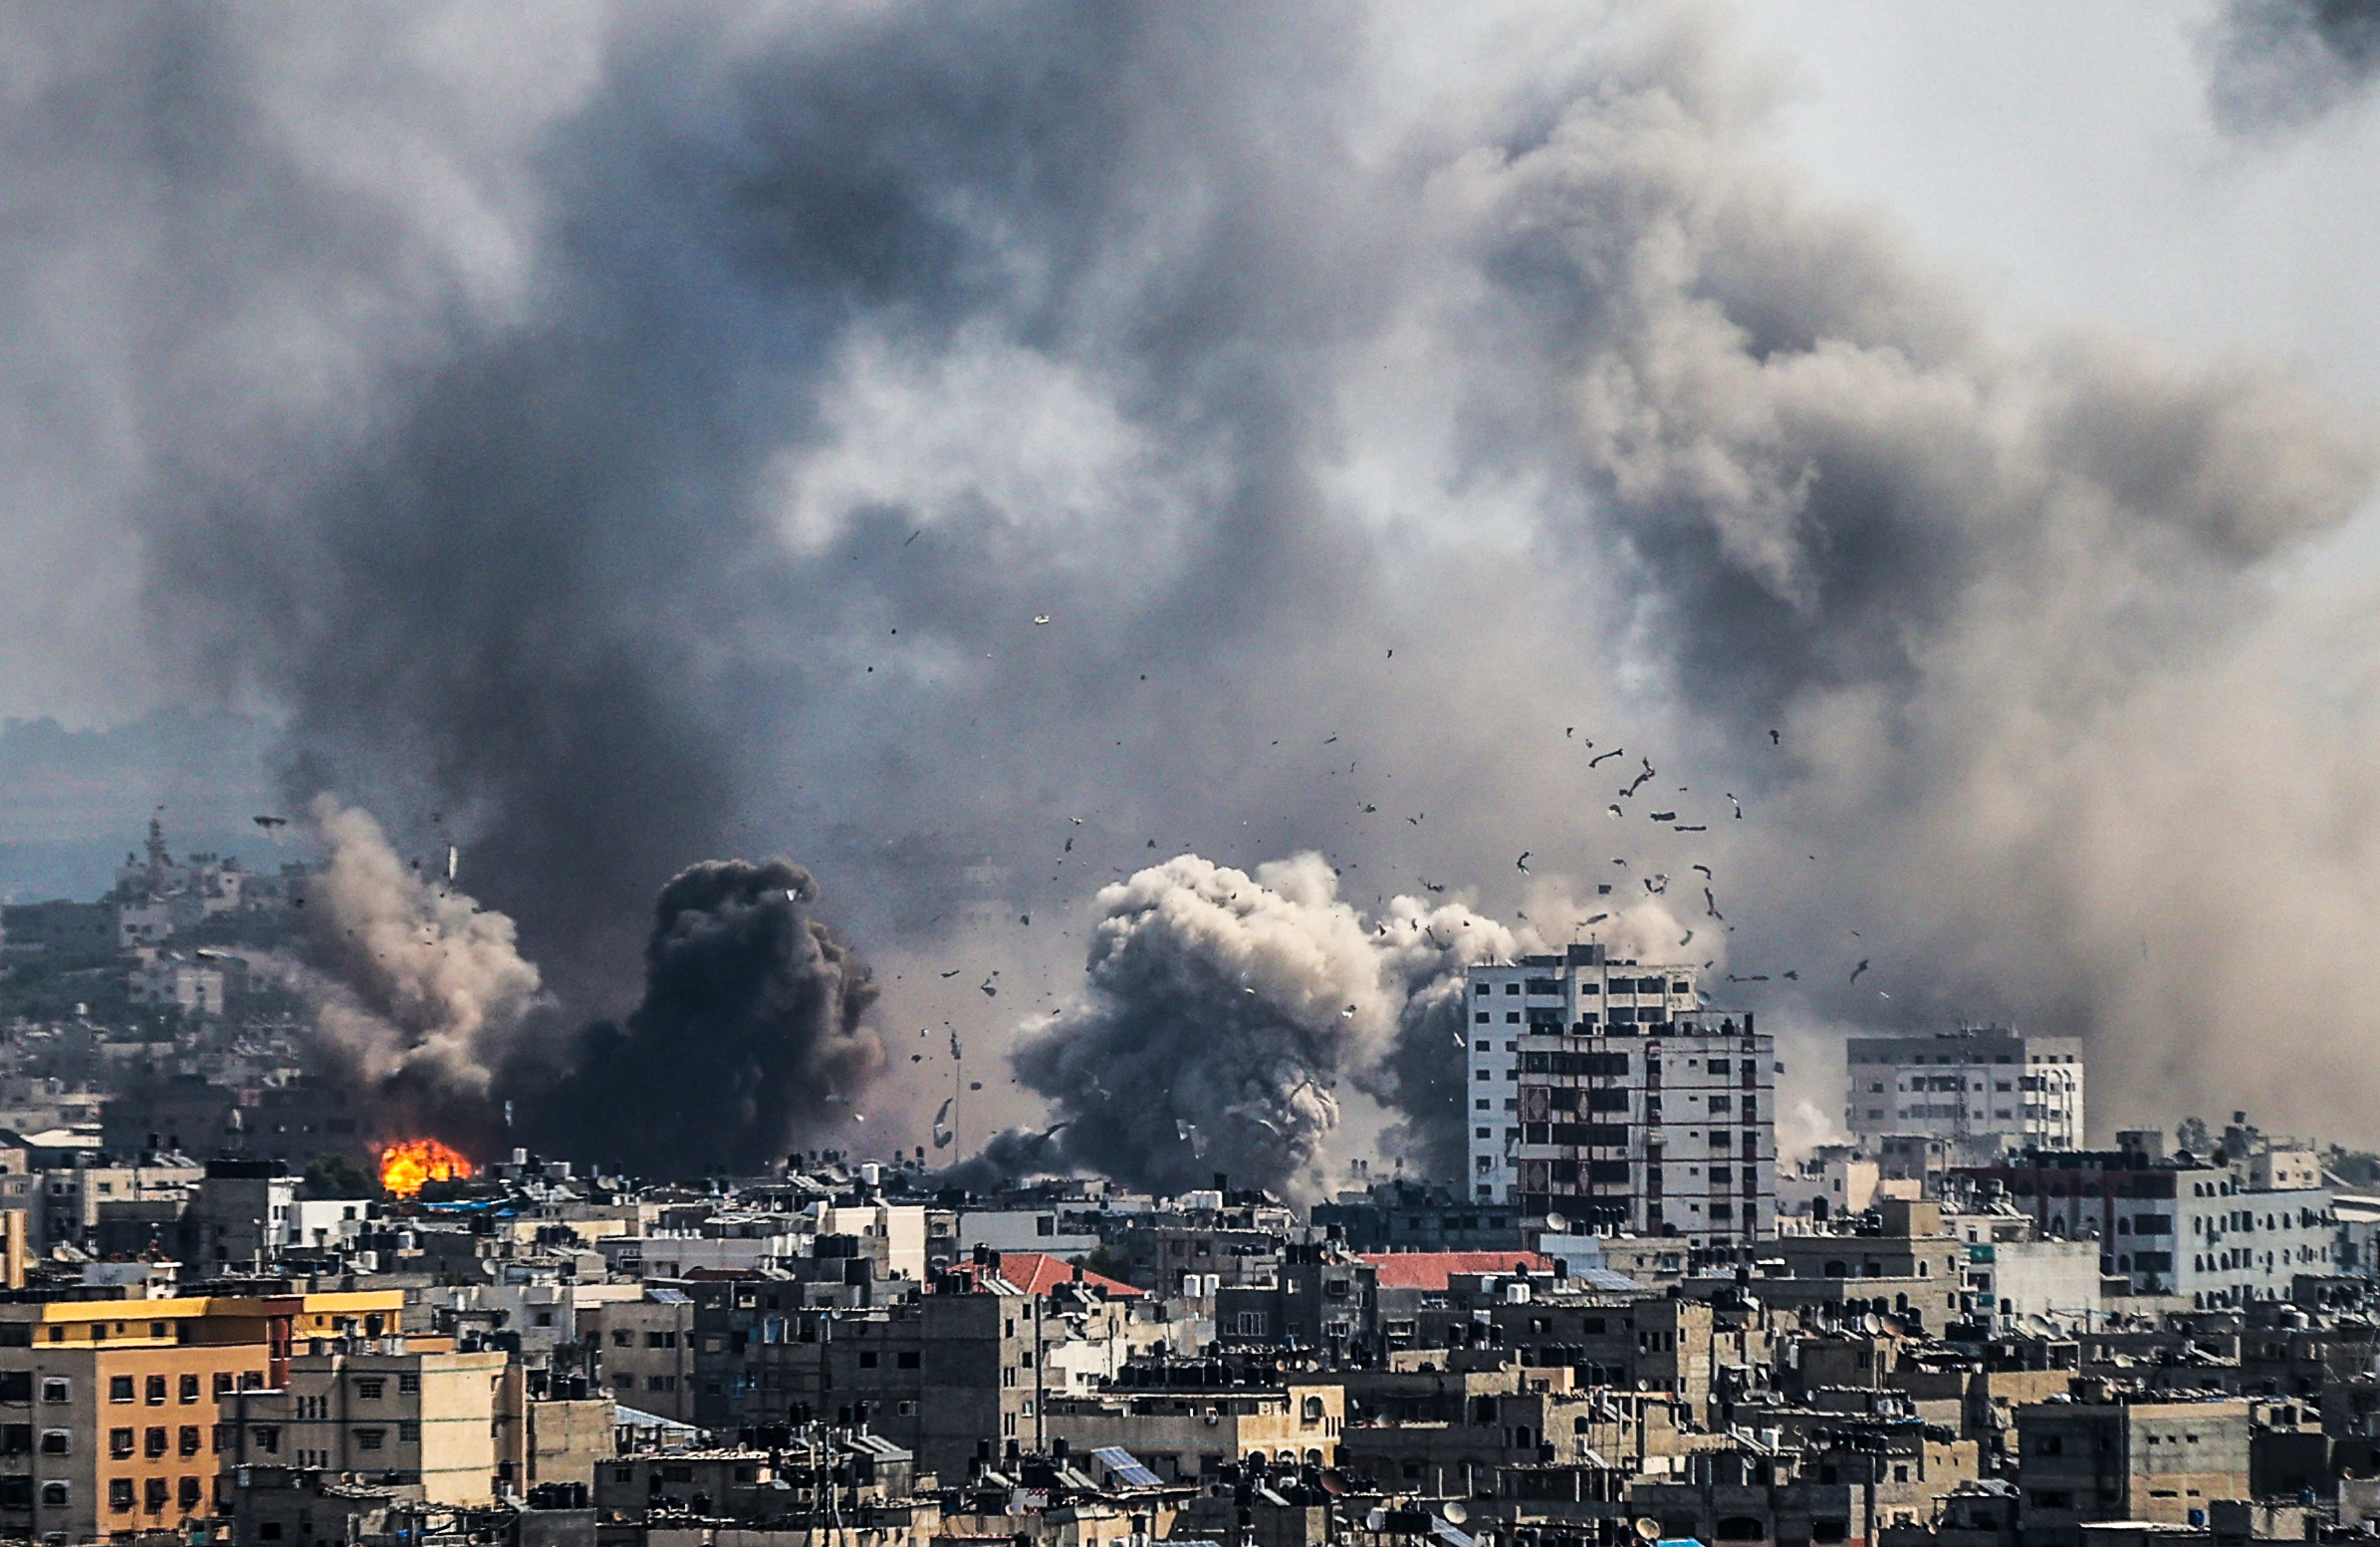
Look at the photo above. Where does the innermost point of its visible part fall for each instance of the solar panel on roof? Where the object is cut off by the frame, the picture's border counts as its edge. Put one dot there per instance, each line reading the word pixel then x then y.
pixel 1118 1462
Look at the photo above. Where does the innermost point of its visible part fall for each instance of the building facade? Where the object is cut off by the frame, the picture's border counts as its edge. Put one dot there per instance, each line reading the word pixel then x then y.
pixel 1605 1092
pixel 1976 1083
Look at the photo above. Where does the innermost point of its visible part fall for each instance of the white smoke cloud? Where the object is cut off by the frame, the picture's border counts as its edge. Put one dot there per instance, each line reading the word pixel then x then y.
pixel 408 979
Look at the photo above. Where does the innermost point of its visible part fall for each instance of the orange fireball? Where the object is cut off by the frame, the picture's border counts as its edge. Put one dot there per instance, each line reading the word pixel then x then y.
pixel 408 1162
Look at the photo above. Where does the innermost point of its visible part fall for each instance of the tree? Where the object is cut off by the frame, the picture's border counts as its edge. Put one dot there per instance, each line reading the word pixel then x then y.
pixel 336 1175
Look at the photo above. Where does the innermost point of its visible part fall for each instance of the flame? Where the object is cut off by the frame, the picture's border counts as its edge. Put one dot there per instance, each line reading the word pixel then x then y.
pixel 408 1162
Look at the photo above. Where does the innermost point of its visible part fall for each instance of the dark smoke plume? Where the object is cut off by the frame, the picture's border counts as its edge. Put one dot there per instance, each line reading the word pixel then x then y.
pixel 2280 63
pixel 1221 1011
pixel 750 1033
pixel 610 433
pixel 1010 1156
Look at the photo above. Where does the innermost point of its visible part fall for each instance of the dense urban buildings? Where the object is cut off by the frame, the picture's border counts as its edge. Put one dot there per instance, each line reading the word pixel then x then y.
pixel 236 1313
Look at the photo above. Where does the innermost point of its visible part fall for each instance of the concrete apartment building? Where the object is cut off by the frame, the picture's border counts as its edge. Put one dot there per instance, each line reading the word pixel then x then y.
pixel 409 1408
pixel 1605 1092
pixel 2179 1226
pixel 1186 1422
pixel 2159 1461
pixel 1984 1086
pixel 112 1405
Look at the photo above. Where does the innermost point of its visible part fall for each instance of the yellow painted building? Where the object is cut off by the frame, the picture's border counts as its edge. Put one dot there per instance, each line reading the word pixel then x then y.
pixel 111 1410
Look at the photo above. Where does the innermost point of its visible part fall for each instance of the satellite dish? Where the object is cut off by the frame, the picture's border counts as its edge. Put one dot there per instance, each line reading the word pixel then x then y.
pixel 1871 1324
pixel 1456 1512
pixel 1557 1225
pixel 1647 1528
pixel 1334 1482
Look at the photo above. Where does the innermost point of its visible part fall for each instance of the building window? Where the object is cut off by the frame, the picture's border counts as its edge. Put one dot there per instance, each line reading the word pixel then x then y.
pixel 157 1391
pixel 222 1383
pixel 56 1389
pixel 268 1439
pixel 371 1438
pixel 906 1359
pixel 153 1443
pixel 187 1493
pixel 119 1493
pixel 409 1431
pixel 155 1494
pixel 189 1388
pixel 369 1391
pixel 55 1441
pixel 409 1385
pixel 119 1443
pixel 867 1361
pixel 188 1440
pixel 57 1495
pixel 120 1387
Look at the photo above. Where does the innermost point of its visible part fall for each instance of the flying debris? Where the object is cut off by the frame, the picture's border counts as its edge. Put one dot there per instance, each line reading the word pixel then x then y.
pixel 1598 757
pixel 1706 872
pixel 1855 971
pixel 954 971
pixel 1664 815
pixel 1689 939
pixel 1738 805
pixel 1773 738
pixel 1793 976
pixel 1040 619
pixel 1598 919
pixel 270 823
pixel 1711 904
pixel 1522 863
pixel 989 991
pixel 1415 819
pixel 1612 811
pixel 1690 827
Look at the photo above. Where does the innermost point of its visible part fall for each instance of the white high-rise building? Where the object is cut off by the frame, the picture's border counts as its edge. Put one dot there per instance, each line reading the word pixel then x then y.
pixel 1974 1085
pixel 1605 1092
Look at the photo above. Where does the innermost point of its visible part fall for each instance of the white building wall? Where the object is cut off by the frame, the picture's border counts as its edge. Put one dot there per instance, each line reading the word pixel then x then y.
pixel 1966 1085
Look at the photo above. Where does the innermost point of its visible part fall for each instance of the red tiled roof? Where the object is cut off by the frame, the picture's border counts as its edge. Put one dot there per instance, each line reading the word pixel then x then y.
pixel 1037 1273
pixel 1430 1269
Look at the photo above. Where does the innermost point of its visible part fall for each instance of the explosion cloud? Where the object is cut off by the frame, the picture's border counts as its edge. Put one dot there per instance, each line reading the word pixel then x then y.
pixel 409 984
pixel 749 1033
pixel 621 430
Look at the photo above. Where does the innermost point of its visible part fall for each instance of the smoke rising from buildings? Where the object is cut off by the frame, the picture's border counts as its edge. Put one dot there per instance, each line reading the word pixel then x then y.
pixel 1223 1011
pixel 409 984
pixel 1220 1012
pixel 620 433
pixel 750 1033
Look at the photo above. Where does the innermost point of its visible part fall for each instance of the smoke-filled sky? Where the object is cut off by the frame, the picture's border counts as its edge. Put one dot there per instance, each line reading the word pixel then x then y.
pixel 980 453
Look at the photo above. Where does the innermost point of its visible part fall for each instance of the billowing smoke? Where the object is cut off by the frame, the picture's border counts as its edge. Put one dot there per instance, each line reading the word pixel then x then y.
pixel 2280 63
pixel 412 984
pixel 1011 1156
pixel 1422 1075
pixel 751 1032
pixel 619 431
pixel 1220 1013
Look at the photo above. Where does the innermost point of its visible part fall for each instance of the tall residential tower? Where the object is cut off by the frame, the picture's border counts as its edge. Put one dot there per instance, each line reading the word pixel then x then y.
pixel 1605 1092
